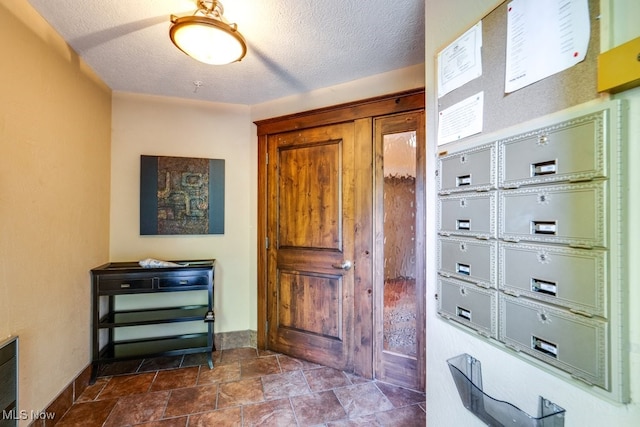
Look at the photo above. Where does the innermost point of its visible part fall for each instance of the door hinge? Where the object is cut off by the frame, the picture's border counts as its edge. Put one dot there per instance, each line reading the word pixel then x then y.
pixel 266 243
pixel 266 325
pixel 267 158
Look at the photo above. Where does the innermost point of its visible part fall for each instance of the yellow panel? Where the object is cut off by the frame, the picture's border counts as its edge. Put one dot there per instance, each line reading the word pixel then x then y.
pixel 619 68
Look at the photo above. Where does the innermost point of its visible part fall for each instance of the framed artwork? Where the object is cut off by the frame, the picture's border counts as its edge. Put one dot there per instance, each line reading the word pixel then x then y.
pixel 181 195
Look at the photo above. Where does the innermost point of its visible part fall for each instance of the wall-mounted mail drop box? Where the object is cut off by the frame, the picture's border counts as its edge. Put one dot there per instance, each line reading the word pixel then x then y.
pixel 469 170
pixel 468 215
pixel 573 343
pixel 574 150
pixel 469 305
pixel 571 278
pixel 571 214
pixel 469 260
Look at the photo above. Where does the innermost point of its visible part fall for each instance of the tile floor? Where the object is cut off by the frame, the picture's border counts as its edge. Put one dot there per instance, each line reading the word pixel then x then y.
pixel 246 388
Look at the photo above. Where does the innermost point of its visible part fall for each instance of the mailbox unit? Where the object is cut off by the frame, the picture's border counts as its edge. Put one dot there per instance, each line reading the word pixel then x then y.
pixel 531 243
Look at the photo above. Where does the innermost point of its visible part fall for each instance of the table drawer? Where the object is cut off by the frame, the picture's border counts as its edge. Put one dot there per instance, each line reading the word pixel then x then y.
pixel 469 305
pixel 113 284
pixel 567 214
pixel 183 281
pixel 470 260
pixel 572 150
pixel 573 343
pixel 468 215
pixel 469 170
pixel 572 278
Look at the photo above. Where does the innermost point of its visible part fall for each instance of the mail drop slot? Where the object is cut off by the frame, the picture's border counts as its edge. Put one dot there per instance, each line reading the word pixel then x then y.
pixel 544 168
pixel 464 269
pixel 573 343
pixel 468 170
pixel 468 214
pixel 572 214
pixel 463 224
pixel 571 278
pixel 468 304
pixel 545 287
pixel 572 150
pixel 468 259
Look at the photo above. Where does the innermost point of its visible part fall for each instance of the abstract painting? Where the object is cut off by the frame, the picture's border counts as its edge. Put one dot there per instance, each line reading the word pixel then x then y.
pixel 181 195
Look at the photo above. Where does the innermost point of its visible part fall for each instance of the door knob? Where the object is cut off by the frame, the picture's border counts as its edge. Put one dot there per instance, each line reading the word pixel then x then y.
pixel 344 266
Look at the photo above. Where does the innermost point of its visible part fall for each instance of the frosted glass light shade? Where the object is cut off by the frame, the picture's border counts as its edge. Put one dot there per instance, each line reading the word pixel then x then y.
pixel 208 40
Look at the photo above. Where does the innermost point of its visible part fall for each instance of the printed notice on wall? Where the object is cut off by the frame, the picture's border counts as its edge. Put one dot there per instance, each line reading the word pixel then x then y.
pixel 461 61
pixel 461 120
pixel 544 37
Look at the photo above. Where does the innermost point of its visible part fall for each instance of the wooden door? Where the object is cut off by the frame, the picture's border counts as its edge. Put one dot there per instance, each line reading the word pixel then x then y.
pixel 399 261
pixel 310 239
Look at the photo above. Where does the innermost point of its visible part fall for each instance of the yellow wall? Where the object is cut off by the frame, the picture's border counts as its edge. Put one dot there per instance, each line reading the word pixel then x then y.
pixel 55 128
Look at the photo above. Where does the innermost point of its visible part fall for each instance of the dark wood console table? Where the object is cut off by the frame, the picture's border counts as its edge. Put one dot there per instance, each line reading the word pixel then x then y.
pixel 128 278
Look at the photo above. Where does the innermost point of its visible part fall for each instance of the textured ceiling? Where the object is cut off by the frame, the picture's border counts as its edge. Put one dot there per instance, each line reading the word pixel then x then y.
pixel 294 46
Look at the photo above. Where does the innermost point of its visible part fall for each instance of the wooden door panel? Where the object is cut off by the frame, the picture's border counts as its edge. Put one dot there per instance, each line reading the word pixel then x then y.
pixel 309 205
pixel 311 303
pixel 310 223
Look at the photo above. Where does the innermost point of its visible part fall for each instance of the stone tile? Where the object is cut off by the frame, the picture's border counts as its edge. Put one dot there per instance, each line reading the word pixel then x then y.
pixel 175 378
pixel 240 392
pixel 127 384
pixel 235 354
pixel 192 400
pixel 287 384
pixel 275 413
pixel 366 421
pixel 326 379
pixel 92 391
pixel 169 422
pixel 356 379
pixel 122 367
pixel 197 359
pixel 220 374
pixel 399 396
pixel 230 417
pixel 138 408
pixel 250 368
pixel 87 413
pixel 409 416
pixel 158 363
pixel 318 408
pixel 291 364
pixel 264 353
pixel 362 399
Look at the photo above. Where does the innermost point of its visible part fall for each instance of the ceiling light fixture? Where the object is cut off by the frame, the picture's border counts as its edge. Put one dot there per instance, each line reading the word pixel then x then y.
pixel 207 36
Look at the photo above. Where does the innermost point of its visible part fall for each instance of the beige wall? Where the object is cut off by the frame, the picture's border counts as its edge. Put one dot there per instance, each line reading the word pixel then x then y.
pixel 505 376
pixel 55 120
pixel 161 126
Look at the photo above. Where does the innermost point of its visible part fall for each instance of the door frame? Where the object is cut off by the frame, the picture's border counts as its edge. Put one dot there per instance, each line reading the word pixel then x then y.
pixel 362 113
